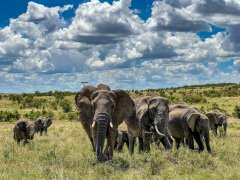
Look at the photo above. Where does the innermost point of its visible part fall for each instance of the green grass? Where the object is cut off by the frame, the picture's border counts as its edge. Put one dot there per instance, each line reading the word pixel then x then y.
pixel 66 154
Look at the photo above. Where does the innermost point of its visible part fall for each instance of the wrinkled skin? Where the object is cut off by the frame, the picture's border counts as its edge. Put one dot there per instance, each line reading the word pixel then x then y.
pixel 24 130
pixel 151 117
pixel 216 119
pixel 189 124
pixel 101 111
pixel 121 139
pixel 43 125
pixel 184 105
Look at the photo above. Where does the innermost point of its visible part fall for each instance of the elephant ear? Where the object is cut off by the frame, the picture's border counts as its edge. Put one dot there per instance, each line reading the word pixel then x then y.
pixel 142 108
pixel 39 123
pixel 22 126
pixel 49 122
pixel 83 103
pixel 191 120
pixel 124 108
pixel 212 118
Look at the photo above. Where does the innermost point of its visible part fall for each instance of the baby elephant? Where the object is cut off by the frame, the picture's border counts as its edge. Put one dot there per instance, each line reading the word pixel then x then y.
pixel 121 139
pixel 24 130
pixel 44 124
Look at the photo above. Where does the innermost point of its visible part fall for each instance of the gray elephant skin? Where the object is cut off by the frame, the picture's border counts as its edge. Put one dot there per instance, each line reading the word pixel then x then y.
pixel 45 124
pixel 25 129
pixel 186 122
pixel 216 119
pixel 151 117
pixel 101 111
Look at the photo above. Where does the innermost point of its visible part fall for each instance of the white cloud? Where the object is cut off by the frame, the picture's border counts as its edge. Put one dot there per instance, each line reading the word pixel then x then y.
pixel 109 43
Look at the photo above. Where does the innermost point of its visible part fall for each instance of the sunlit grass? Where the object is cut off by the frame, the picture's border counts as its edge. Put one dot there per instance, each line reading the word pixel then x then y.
pixel 66 154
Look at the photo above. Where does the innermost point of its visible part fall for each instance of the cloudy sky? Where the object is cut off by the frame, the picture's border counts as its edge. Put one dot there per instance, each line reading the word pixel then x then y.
pixel 56 44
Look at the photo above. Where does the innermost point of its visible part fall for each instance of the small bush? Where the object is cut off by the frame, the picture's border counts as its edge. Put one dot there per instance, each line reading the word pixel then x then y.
pixel 236 111
pixel 66 105
pixel 7 116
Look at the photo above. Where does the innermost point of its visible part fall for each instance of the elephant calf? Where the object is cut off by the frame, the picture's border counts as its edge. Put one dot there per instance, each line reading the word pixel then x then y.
pixel 44 125
pixel 216 119
pixel 24 130
pixel 121 139
pixel 188 123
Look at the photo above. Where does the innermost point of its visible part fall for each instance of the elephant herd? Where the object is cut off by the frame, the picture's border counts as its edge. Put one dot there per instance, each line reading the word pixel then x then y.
pixel 148 118
pixel 25 129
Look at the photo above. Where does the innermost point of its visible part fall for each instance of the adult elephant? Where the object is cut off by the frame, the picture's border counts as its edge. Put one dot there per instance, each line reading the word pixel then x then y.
pixel 187 123
pixel 151 116
pixel 101 111
pixel 217 118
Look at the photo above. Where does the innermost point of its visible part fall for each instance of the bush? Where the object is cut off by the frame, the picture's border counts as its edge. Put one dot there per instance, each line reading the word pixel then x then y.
pixel 193 98
pixel 66 105
pixel 32 115
pixel 7 116
pixel 236 111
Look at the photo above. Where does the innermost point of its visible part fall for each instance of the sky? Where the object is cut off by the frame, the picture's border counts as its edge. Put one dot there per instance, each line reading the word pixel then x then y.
pixel 48 45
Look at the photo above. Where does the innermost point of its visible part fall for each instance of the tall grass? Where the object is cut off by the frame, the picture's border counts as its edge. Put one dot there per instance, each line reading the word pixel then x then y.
pixel 66 154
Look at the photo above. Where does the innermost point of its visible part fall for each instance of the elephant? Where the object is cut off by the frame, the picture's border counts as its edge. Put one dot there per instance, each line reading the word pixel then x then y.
pixel 189 124
pixel 121 139
pixel 182 105
pixel 101 111
pixel 217 118
pixel 151 117
pixel 46 124
pixel 25 129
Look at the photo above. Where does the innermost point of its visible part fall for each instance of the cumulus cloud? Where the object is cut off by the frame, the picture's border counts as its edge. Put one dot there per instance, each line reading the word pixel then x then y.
pixel 109 43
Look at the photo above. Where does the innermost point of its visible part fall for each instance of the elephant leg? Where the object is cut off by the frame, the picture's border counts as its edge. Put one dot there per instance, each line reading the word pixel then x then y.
pixel 198 139
pixel 87 128
pixel 127 143
pixel 178 142
pixel 131 142
pixel 146 140
pixel 140 146
pixel 166 143
pixel 120 145
pixel 215 129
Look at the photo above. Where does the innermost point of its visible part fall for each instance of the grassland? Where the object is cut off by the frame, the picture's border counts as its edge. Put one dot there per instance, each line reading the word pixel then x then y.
pixel 66 153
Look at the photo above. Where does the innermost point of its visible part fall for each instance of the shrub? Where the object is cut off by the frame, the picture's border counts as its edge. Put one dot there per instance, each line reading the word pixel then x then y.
pixel 7 116
pixel 193 98
pixel 66 105
pixel 32 115
pixel 236 111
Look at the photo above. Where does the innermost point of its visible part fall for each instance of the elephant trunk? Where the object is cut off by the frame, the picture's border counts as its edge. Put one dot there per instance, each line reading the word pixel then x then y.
pixel 206 137
pixel 102 123
pixel 225 127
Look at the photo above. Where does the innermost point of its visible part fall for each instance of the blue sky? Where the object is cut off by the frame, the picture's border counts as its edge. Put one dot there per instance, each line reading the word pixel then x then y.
pixel 56 44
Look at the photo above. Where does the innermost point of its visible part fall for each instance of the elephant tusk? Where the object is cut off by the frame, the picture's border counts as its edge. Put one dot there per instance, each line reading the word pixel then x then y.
pixel 111 124
pixel 93 124
pixel 159 133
